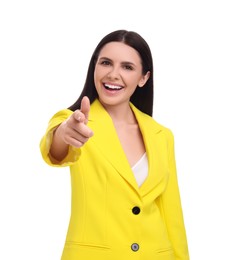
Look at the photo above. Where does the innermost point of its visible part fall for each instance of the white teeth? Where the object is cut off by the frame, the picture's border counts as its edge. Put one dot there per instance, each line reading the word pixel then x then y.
pixel 112 86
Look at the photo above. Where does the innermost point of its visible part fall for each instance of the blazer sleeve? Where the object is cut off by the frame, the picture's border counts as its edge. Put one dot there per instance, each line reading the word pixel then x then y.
pixel 172 209
pixel 45 143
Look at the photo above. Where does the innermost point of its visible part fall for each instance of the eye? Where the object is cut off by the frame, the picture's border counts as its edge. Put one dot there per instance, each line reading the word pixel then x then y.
pixel 128 67
pixel 105 62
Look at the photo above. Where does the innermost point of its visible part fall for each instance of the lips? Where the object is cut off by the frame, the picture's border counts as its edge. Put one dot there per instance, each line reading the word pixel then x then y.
pixel 112 87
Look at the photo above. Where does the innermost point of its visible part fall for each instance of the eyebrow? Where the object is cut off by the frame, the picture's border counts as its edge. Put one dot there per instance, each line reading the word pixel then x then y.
pixel 123 62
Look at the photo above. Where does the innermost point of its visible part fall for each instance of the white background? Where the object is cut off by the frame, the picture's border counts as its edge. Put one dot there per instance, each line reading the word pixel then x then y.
pixel 45 47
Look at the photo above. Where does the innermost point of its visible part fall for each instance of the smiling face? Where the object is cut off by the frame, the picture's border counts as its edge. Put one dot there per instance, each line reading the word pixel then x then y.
pixel 118 72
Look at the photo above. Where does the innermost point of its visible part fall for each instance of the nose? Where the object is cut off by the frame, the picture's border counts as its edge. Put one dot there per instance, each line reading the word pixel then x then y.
pixel 113 73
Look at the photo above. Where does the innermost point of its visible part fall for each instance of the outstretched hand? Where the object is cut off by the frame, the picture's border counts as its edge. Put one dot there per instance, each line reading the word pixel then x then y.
pixel 75 131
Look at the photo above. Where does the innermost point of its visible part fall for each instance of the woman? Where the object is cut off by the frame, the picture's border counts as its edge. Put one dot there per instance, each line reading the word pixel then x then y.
pixel 125 196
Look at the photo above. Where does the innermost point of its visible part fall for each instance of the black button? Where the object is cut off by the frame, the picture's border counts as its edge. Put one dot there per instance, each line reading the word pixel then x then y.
pixel 136 210
pixel 135 247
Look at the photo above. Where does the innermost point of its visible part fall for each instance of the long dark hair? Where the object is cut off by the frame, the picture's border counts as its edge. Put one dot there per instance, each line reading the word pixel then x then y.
pixel 142 98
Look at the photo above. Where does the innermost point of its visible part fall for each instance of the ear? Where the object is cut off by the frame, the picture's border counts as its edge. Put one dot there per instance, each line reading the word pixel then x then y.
pixel 144 79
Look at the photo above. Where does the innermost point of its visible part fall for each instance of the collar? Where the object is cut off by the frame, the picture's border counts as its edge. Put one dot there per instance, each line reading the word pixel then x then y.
pixel 108 143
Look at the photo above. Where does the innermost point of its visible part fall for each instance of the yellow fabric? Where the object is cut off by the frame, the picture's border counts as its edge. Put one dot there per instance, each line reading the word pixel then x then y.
pixel 104 191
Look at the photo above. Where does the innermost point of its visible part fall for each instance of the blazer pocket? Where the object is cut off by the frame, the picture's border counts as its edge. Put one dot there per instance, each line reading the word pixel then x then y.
pixel 86 245
pixel 74 250
pixel 165 251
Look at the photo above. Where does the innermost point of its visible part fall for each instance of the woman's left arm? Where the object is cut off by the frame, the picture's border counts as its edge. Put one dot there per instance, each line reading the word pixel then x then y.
pixel 172 209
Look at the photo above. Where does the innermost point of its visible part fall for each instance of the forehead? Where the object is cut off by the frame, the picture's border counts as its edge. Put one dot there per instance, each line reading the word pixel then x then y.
pixel 120 51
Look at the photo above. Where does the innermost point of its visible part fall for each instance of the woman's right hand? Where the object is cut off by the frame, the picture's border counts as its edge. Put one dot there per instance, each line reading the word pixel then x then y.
pixel 73 131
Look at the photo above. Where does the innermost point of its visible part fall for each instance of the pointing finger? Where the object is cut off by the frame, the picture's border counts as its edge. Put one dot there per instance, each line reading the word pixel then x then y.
pixel 85 107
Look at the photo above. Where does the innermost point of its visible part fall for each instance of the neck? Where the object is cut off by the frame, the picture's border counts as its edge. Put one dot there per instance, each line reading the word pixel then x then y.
pixel 120 113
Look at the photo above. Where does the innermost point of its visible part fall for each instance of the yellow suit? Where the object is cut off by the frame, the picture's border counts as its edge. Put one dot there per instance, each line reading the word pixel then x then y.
pixel 111 217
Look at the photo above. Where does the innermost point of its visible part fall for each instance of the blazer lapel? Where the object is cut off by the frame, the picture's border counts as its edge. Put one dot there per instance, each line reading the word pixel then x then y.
pixel 107 142
pixel 156 152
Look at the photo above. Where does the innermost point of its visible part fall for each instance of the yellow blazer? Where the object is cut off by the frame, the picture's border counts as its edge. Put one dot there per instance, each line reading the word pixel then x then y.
pixel 111 217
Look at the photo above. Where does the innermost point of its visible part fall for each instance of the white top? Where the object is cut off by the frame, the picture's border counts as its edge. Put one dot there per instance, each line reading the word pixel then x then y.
pixel 140 169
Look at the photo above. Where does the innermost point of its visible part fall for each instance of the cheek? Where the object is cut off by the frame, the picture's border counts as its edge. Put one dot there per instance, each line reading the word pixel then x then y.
pixel 95 73
pixel 97 79
pixel 134 82
pixel 133 79
pixel 98 74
